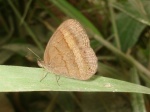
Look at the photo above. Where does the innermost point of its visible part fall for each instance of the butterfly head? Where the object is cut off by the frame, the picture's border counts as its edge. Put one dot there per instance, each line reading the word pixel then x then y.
pixel 41 63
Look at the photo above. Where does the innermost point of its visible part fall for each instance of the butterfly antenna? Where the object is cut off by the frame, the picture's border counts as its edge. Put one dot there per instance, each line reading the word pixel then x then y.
pixel 35 54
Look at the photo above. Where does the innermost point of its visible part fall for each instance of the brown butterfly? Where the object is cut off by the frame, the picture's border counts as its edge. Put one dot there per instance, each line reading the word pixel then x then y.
pixel 68 52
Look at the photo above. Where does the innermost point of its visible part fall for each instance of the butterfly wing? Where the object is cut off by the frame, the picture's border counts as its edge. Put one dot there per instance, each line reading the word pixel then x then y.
pixel 68 52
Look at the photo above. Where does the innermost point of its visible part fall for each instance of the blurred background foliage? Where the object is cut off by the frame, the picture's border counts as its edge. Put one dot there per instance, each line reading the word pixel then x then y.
pixel 123 23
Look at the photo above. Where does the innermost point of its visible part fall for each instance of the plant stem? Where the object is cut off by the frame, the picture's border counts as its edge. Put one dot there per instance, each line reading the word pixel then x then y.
pixel 128 58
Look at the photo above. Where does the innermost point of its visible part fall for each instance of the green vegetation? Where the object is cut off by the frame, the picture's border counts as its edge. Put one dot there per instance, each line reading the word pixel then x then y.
pixel 120 36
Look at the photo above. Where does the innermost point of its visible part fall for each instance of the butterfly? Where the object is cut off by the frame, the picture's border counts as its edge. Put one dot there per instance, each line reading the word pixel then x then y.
pixel 68 52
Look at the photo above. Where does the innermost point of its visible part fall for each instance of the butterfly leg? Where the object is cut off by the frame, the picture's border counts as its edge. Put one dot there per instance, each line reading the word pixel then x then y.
pixel 44 76
pixel 57 79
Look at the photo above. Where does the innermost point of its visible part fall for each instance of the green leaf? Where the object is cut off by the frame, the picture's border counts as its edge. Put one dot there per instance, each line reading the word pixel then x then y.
pixel 137 9
pixel 15 78
pixel 129 31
